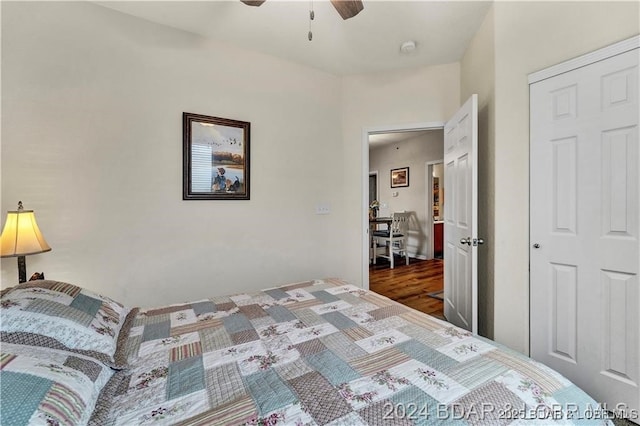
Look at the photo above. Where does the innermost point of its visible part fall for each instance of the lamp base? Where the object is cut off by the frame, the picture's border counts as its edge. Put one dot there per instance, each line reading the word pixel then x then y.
pixel 22 269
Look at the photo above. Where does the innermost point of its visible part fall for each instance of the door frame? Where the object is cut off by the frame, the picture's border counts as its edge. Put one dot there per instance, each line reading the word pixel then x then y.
pixel 429 204
pixel 377 175
pixel 364 214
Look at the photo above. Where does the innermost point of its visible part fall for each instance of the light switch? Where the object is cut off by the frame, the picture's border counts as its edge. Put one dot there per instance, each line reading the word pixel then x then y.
pixel 323 209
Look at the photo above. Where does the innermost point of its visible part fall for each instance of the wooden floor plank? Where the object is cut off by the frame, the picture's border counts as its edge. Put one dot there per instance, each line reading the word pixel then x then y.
pixel 410 284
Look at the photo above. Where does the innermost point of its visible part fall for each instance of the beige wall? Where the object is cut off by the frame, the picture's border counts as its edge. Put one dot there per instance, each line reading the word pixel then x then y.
pixel 97 112
pixel 92 106
pixel 91 139
pixel 526 37
pixel 413 152
pixel 477 75
pixel 420 95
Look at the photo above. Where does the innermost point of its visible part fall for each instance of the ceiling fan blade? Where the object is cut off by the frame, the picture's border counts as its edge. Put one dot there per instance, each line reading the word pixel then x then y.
pixel 253 2
pixel 347 8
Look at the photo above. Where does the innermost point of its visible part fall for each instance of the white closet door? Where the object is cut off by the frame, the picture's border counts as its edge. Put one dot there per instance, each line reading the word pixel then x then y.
pixel 585 250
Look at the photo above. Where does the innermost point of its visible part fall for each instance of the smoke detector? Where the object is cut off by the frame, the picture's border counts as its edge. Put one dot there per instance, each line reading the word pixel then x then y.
pixel 408 46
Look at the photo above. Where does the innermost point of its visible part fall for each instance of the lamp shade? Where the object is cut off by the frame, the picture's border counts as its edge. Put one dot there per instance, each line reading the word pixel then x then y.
pixel 21 235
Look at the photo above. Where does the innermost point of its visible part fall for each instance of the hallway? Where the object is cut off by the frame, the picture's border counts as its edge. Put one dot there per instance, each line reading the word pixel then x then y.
pixel 410 284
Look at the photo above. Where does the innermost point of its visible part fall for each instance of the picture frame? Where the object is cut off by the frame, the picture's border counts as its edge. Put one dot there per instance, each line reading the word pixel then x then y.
pixel 400 177
pixel 215 158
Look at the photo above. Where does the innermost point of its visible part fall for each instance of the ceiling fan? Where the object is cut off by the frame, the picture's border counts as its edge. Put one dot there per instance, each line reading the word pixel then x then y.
pixel 346 8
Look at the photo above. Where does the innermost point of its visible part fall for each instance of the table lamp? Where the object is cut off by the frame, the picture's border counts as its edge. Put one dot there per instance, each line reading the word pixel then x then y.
pixel 21 237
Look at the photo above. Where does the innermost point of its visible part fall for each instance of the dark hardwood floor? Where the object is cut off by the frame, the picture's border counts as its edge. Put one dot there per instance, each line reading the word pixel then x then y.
pixel 409 284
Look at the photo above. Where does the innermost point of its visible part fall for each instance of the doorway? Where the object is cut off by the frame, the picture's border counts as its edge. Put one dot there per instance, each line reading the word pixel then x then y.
pixel 373 187
pixel 415 149
pixel 435 208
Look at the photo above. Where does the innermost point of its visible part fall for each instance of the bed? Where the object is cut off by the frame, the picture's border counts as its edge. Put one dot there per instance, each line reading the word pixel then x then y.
pixel 322 352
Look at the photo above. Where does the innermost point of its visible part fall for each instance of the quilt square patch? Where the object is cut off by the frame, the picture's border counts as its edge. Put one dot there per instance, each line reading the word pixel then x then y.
pixel 262 322
pixel 184 317
pixel 155 331
pixel 308 317
pixel 185 351
pixel 351 298
pixel 237 322
pixel 332 368
pixel 299 295
pixel 65 288
pixel 324 296
pixel 63 404
pixel 382 341
pixel 86 304
pixel 47 307
pixel 431 381
pixel 357 333
pixel 244 336
pixel 17 407
pixel 5 359
pixel 89 368
pixel 293 369
pixel 426 355
pixel 330 307
pixel 384 324
pixel 310 347
pixel 185 376
pixel 465 349
pixel 145 319
pixel 232 354
pixel 224 384
pixel 299 335
pixel 280 313
pixel 485 404
pixel 321 400
pixel 338 320
pixel 276 293
pixel 387 311
pixel 203 307
pixel 166 310
pixel 253 311
pixel 226 306
pixel 263 362
pixel 476 371
pixel 342 346
pixel 423 336
pixel 417 406
pixel 528 390
pixel 269 391
pixel 384 412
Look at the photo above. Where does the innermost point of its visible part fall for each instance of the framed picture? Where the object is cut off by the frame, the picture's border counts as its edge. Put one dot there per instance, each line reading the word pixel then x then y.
pixel 215 158
pixel 399 177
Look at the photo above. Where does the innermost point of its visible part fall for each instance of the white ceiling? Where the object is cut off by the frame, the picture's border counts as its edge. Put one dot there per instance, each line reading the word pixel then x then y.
pixel 368 42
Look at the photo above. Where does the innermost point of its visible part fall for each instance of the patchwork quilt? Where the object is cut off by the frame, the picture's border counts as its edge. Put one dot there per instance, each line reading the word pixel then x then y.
pixel 326 353
pixel 44 386
pixel 64 316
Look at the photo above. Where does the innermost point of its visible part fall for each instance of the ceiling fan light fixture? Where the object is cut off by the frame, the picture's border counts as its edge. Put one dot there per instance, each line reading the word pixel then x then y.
pixel 408 47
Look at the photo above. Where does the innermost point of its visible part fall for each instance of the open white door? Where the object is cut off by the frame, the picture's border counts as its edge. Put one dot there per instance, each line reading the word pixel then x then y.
pixel 461 217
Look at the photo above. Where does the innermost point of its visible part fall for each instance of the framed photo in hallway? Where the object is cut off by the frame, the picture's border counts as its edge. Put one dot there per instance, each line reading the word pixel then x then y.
pixel 400 177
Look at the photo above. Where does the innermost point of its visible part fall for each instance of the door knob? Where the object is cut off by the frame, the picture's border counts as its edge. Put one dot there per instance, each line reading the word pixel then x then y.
pixel 536 246
pixel 478 241
pixel 465 240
